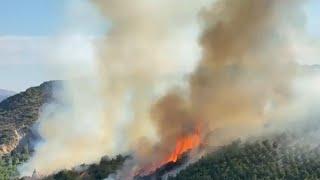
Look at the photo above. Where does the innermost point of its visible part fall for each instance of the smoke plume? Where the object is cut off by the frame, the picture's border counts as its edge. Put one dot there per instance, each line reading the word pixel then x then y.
pixel 247 64
pixel 148 48
pixel 242 81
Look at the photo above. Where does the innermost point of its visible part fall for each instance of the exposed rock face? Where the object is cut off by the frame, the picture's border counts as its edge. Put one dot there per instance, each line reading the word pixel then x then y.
pixel 19 112
pixel 7 148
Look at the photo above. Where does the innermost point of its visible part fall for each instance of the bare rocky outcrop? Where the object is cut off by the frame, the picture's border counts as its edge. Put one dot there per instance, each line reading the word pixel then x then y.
pixel 7 148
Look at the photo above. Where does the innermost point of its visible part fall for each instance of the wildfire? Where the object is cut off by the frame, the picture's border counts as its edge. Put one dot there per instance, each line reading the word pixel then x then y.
pixel 183 145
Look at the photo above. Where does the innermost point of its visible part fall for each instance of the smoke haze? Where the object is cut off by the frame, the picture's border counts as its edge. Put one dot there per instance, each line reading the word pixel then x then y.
pixel 147 50
pixel 240 80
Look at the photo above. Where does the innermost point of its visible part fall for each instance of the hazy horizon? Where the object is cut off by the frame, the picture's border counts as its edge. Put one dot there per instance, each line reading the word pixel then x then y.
pixel 30 29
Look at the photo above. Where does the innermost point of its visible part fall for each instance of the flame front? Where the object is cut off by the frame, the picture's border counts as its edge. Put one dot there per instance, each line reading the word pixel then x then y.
pixel 183 145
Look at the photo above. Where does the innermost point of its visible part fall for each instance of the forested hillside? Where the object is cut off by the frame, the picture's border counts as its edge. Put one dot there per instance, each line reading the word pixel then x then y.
pixel 285 156
pixel 276 158
pixel 279 157
pixel 19 112
pixel 17 115
pixel 10 162
pixel 100 170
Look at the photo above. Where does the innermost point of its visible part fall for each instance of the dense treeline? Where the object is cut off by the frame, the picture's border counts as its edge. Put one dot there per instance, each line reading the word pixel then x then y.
pixel 101 170
pixel 9 163
pixel 266 159
pixel 275 158
pixel 90 172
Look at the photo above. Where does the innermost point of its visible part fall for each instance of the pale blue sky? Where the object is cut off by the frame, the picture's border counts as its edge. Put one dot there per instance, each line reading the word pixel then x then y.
pixel 26 19
pixel 31 17
pixel 25 25
pixel 313 15
pixel 27 32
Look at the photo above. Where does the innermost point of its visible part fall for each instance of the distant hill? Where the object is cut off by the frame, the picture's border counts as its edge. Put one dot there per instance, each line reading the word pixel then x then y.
pixel 19 112
pixel 5 94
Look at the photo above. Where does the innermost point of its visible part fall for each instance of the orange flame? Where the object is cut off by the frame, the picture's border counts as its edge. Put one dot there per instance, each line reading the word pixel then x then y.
pixel 183 145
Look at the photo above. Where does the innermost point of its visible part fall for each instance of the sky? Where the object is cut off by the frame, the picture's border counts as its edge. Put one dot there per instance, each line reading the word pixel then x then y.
pixel 31 17
pixel 313 15
pixel 30 28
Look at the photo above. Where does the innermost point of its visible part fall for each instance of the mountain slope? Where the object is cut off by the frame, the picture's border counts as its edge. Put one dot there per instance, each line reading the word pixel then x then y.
pixel 19 112
pixel 277 157
pixel 101 170
pixel 5 94
pixel 263 159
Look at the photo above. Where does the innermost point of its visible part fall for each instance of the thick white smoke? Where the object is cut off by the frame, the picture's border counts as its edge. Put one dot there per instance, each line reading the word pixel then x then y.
pixel 113 79
pixel 150 47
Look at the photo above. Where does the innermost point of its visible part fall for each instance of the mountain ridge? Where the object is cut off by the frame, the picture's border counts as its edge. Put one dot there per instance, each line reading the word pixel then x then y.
pixel 5 94
pixel 19 112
